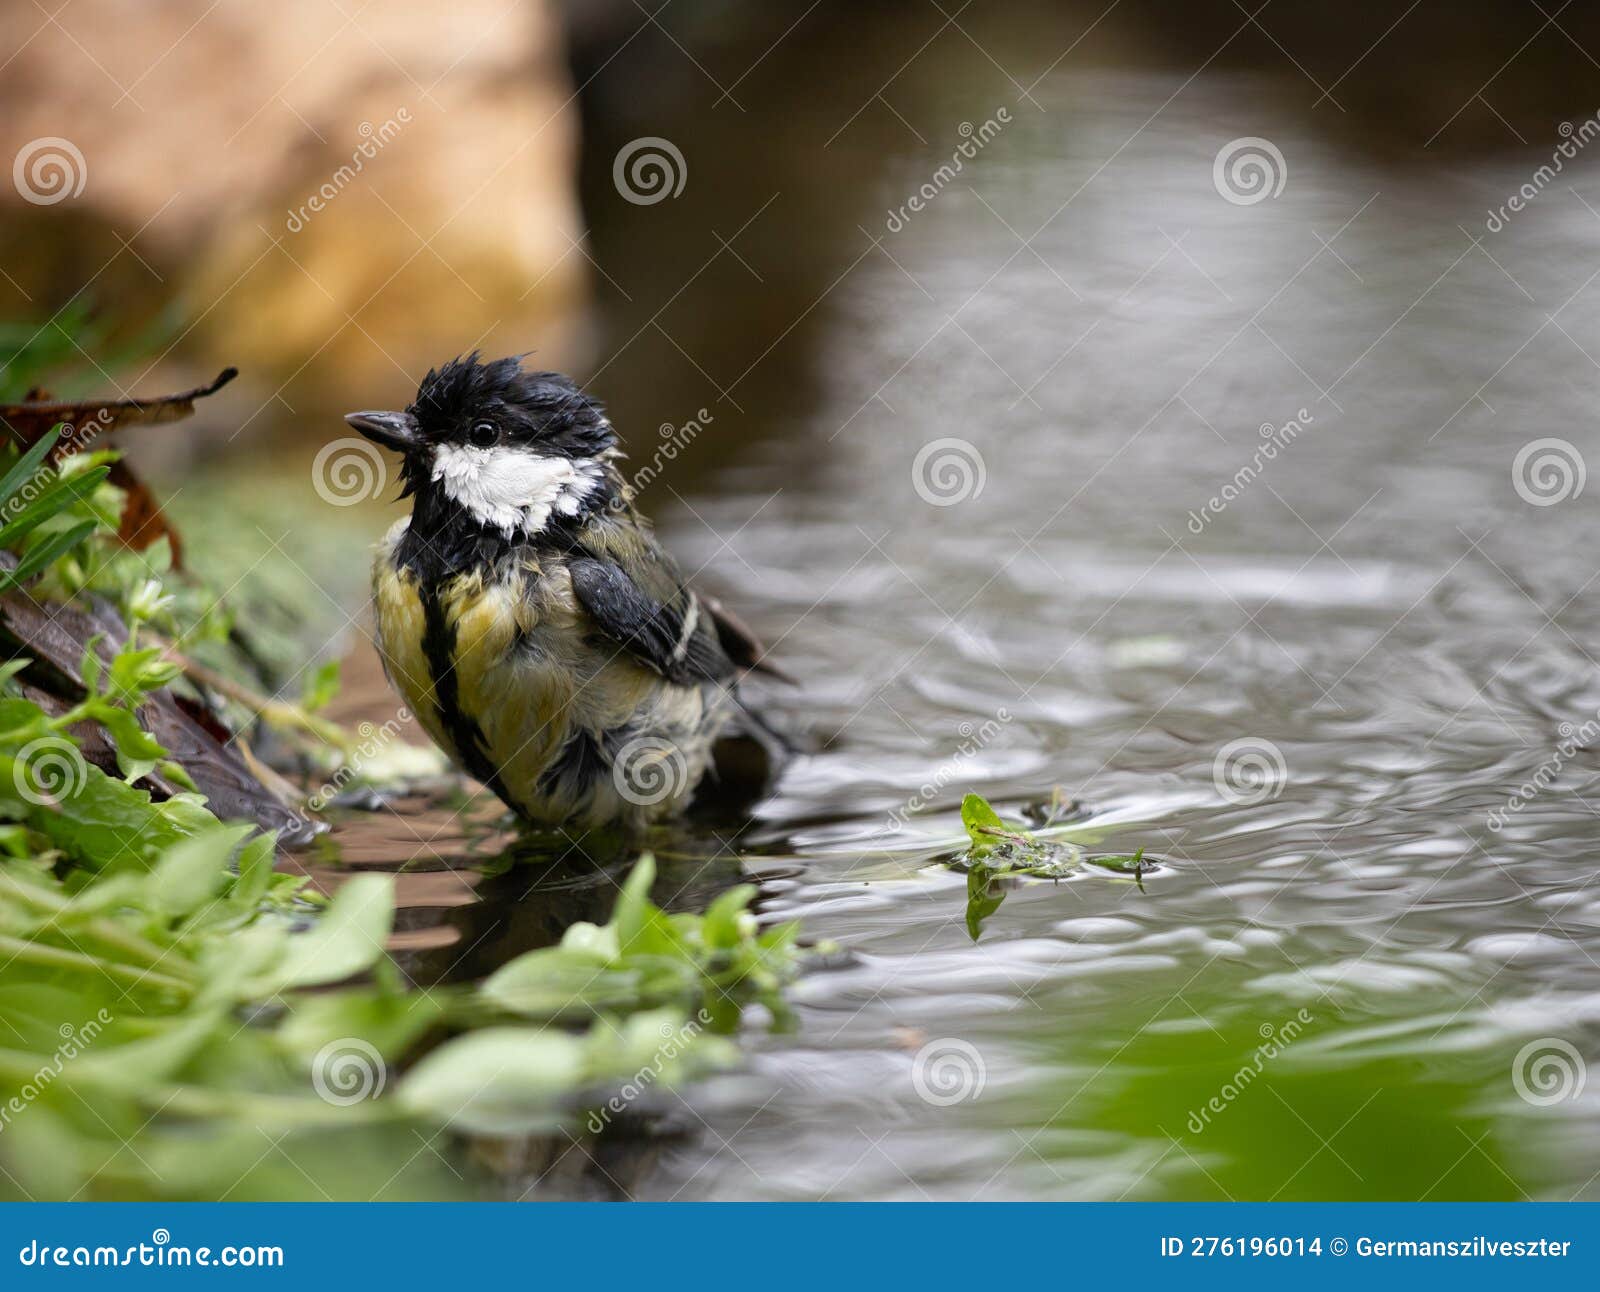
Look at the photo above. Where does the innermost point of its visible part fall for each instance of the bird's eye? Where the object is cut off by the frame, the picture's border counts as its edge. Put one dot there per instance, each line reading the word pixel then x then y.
pixel 483 435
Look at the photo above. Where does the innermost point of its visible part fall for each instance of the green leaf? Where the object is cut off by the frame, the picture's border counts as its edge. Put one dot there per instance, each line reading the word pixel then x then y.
pixel 135 673
pixel 982 823
pixel 192 873
pixel 1122 864
pixel 232 967
pixel 34 1012
pixel 634 900
pixel 256 859
pixel 92 666
pixel 645 957
pixel 27 465
pixel 346 939
pixel 22 720
pixel 596 940
pixel 46 554
pixel 658 1046
pixel 321 687
pixel 389 1021
pixel 107 824
pixel 138 751
pixel 53 499
pixel 555 982
pixel 984 896
pixel 151 1058
pixel 44 1149
pixel 727 919
pixel 500 1081
pixel 1002 848
pixel 1135 865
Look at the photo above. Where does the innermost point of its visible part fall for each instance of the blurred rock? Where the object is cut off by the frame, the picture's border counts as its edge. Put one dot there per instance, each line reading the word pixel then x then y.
pixel 336 196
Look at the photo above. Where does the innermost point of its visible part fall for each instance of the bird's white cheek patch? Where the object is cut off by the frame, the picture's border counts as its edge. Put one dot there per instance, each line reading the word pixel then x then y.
pixel 514 490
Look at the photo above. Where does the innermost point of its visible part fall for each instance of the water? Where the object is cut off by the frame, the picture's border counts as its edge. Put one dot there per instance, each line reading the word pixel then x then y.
pixel 1327 987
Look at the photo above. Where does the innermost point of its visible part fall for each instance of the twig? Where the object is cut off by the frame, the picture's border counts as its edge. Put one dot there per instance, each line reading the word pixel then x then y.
pixel 277 713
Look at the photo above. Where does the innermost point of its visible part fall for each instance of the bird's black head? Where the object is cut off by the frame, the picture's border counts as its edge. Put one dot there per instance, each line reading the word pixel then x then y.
pixel 511 449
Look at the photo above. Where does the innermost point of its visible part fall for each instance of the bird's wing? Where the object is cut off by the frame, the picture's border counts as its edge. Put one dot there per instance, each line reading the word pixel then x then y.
pixel 633 591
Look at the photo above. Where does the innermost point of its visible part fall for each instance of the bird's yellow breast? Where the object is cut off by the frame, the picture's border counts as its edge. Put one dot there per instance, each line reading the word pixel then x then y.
pixel 519 700
pixel 499 668
pixel 402 623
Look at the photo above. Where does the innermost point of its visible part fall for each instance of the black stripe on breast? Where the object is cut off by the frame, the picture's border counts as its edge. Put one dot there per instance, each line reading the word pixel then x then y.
pixel 577 766
pixel 439 646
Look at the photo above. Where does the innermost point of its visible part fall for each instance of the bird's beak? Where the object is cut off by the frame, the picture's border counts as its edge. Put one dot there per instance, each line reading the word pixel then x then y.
pixel 396 431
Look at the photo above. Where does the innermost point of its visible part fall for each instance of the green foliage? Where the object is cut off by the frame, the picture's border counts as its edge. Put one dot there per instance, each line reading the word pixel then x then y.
pixel 57 352
pixel 39 511
pixel 181 1018
pixel 322 684
pixel 203 969
pixel 192 970
pixel 999 853
pixel 1118 864
pixel 645 957
pixel 1009 849
pixel 509 1080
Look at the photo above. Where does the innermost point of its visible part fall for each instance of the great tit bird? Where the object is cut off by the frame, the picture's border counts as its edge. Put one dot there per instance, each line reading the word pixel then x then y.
pixel 526 613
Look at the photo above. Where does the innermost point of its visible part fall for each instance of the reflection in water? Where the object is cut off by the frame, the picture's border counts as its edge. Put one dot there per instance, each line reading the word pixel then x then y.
pixel 1388 627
